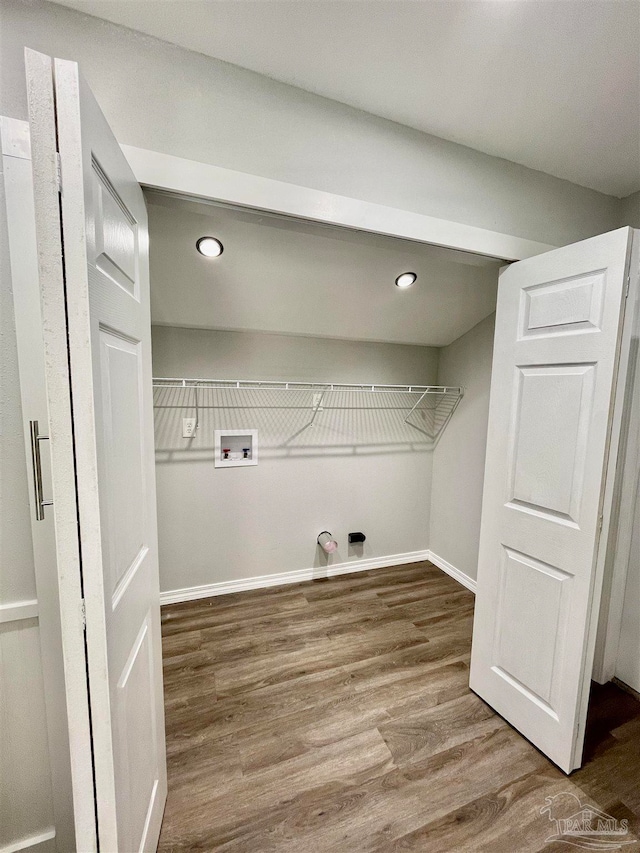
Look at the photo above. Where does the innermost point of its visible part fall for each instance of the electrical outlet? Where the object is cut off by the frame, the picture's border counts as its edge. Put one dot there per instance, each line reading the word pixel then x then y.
pixel 188 427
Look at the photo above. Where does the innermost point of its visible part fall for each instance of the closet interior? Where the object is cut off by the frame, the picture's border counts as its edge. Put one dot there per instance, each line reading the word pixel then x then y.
pixel 356 406
pixel 293 353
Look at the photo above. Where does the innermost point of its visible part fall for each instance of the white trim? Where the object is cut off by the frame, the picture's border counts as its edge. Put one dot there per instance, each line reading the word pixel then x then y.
pixel 625 472
pixel 191 593
pixel 16 611
pixel 40 842
pixel 174 596
pixel 626 687
pixel 453 572
pixel 188 177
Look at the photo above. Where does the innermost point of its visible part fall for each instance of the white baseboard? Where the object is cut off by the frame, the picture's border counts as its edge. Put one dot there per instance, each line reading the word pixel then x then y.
pixel 192 593
pixel 456 574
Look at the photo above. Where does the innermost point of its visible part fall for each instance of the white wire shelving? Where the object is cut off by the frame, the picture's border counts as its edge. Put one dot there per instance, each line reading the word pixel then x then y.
pixel 428 407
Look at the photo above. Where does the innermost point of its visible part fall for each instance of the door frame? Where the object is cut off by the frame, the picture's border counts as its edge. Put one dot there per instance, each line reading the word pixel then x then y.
pixel 626 463
pixel 178 175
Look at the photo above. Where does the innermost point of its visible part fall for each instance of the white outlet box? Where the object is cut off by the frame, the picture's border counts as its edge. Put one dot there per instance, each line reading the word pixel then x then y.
pixel 235 448
pixel 188 427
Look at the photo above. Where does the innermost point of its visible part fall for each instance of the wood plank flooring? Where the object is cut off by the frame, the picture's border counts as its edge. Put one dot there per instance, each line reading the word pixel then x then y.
pixel 335 715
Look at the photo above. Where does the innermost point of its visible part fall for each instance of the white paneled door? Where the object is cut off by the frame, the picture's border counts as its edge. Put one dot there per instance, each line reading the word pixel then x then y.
pixel 552 433
pixel 93 247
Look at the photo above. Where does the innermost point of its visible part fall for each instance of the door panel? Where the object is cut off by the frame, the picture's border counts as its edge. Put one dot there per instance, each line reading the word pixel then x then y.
pixel 116 234
pixel 23 257
pixel 552 412
pixel 559 307
pixel 123 452
pixel 556 359
pixel 524 582
pixel 104 227
pixel 136 761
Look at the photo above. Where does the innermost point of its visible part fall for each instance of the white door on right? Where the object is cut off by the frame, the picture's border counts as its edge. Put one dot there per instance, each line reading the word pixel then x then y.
pixel 555 367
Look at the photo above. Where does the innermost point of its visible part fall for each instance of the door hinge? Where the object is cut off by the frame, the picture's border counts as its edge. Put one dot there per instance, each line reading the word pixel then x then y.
pixel 600 523
pixel 83 614
pixel 59 172
pixel 579 731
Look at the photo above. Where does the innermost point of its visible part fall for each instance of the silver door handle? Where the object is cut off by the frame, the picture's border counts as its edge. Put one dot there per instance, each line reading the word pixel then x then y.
pixel 36 438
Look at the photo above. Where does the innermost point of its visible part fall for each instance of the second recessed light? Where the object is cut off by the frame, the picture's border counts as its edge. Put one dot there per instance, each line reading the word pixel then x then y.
pixel 406 279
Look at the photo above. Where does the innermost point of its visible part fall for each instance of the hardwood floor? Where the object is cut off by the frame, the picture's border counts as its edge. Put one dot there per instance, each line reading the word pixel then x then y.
pixel 334 715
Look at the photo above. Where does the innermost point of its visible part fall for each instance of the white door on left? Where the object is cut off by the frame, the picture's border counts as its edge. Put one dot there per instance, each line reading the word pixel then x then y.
pixel 101 236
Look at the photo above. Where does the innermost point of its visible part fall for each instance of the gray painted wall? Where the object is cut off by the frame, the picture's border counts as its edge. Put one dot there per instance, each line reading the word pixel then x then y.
pixel 458 460
pixel 169 99
pixel 353 470
pixel 630 210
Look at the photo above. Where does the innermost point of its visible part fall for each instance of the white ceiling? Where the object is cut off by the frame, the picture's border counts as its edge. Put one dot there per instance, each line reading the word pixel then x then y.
pixel 550 84
pixel 294 277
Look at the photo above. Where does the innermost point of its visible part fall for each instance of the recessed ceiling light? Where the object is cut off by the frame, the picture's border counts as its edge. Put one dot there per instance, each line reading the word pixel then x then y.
pixel 406 279
pixel 209 247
